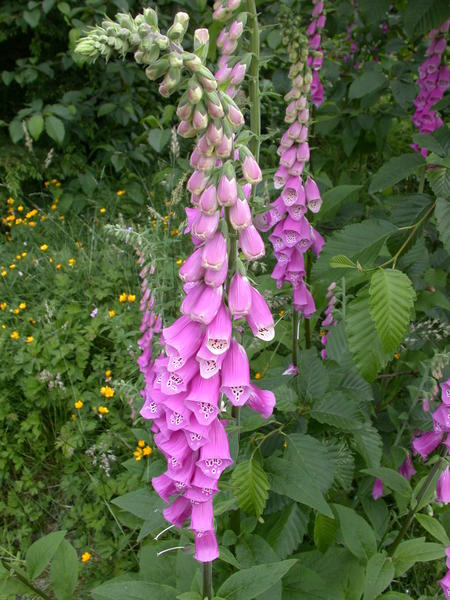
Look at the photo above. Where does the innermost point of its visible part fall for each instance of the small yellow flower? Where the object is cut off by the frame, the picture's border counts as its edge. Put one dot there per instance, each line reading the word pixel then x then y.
pixel 18 257
pixel 10 201
pixel 322 332
pixel 58 184
pixel 24 254
pixel 111 313
pixel 32 321
pixel 46 183
pixel 85 557
pixel 15 335
pixel 18 221
pixel 3 326
pixel 30 339
pixel 123 297
pixel 108 372
pixel 103 410
pixel 131 297
pixel 258 375
pixel 61 218
pixel 16 311
pixel 147 451
pixel 20 208
pixel 50 260
pixel 285 444
pixel 137 454
pixel 102 210
pixel 12 266
pixel 120 193
pixel 22 305
pixel 78 404
pixel 107 391
pixel 54 181
pixel 281 313
pixel 141 443
pixel 4 273
pixel 71 262
pixel 44 247
pixel 179 261
pixel 58 266
pixel 3 305
pixel 78 245
pixel 397 355
pixel 32 224
pixel 53 206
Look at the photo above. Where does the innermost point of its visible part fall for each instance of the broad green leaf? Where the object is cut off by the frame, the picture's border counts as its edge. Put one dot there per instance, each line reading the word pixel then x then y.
pixel 373 12
pixel 391 301
pixel 319 459
pixel 364 343
pixel 395 170
pixel 158 139
pixel 142 503
pixel 41 552
pixel 338 410
pixel 55 128
pixel 377 513
pixel 442 213
pixel 190 596
pixel 392 479
pixel 254 550
pixel 64 571
pixel 407 209
pixel 404 92
pixel 369 444
pixel 430 142
pixel 293 480
pixel 32 17
pixel 433 527
pixel 415 550
pixel 439 180
pixel 334 198
pixel 379 574
pixel 304 583
pixel 16 132
pixel 249 583
pixel 324 531
pixel 35 126
pixel 158 569
pixel 105 109
pixel 366 83
pixel 342 262
pixel 358 535
pixel 395 596
pixel 250 486
pixel 313 382
pixel 285 530
pixel 421 16
pixel 133 590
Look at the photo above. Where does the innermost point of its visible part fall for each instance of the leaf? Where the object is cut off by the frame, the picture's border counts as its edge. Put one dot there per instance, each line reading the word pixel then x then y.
pixel 428 141
pixel 379 574
pixel 16 132
pixel 439 180
pixel 339 410
pixel 403 92
pixel 369 444
pixel 313 382
pixel 415 550
pixel 391 302
pixel 64 571
pixel 41 552
pixel 286 530
pixel 55 128
pixel 341 262
pixel 421 16
pixel 366 83
pixel 249 583
pixel 395 170
pixel 433 527
pixel 35 126
pixel 32 17
pixel 358 535
pixel 142 503
pixel 442 213
pixel 364 343
pixel 324 531
pixel 392 479
pixel 320 460
pixel 334 198
pixel 250 486
pixel 158 138
pixel 47 5
pixel 133 590
pixel 105 109
pixel 373 12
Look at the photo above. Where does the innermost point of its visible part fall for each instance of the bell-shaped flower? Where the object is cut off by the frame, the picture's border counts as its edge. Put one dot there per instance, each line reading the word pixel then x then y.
pixel 313 197
pixel 260 318
pixel 177 381
pixel 445 392
pixel 235 375
pixel 215 454
pixel 196 434
pixel 192 269
pixel 165 487
pixel 205 226
pixel 197 182
pixel 441 418
pixel 202 515
pixel 297 233
pixel 182 339
pixel 288 157
pixel 202 488
pixel 209 363
pixel 262 401
pixel 377 490
pixel 303 300
pixel 293 192
pixel 214 252
pixel 216 278
pixel 407 468
pixel 208 200
pixel 280 177
pixel 178 511
pixel 251 243
pixel 227 191
pixel 240 215
pixel 443 487
pixel 218 332
pixel 206 548
pixel 239 295
pixel 177 412
pixel 250 170
pixel 425 443
pixel 203 399
pixel 202 303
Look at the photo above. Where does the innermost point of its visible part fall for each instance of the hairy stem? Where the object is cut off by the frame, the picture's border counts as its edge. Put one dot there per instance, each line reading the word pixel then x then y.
pixel 308 279
pixel 25 581
pixel 294 336
pixel 207 580
pixel 255 101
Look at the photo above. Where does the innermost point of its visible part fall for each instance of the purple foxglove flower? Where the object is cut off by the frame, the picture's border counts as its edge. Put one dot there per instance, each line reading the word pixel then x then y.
pixel 311 29
pixel 229 46
pixel 175 448
pixel 264 221
pixel 185 129
pixel 227 191
pixel 235 116
pixel 151 409
pixel 407 468
pixel 202 516
pixel 262 401
pixel 197 182
pixel 206 163
pixel 236 29
pixel 314 42
pixel 297 168
pixel 238 73
pixel 182 338
pixel 192 269
pixel 291 370
pixel 377 490
pixel 164 486
pixel 276 237
pixel 294 132
pixel 303 300
pixel 445 584
pixel 259 318
pixel 236 375
pixel 210 363
pixel 177 381
pixel 214 132
pixel 321 22
pixel 425 443
pixel 303 152
pixel 178 511
pixel 225 146
pixel 223 73
pixel 205 226
pixel 313 195
pixel 239 295
pixel 297 211
pixel 293 192
pixel 445 389
pixel 218 332
pixel 250 170
pixel 297 233
pixel 323 354
pixel 184 111
pixel 251 243
pixel 288 158
pixel 206 548
pixel 280 177
pixel 215 111
pixel 202 488
pixel 215 454
pixel 196 435
pixel 203 398
pixel 286 142
pixel 240 215
pixel 208 200
pixel 317 242
pixel 214 252
pixel 443 487
pixel 199 118
pixel 441 418
pixel 177 412
pixel 278 273
pixel 203 306
pixel 217 277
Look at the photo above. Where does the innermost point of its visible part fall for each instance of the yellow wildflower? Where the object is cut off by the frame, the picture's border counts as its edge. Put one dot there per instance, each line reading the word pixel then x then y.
pixel 12 266
pixel 131 297
pixel 108 372
pixel 30 339
pixel 71 262
pixel 4 273
pixel 123 297
pixel 103 410
pixel 53 206
pixel 44 247
pixel 78 404
pixel 20 208
pixel 24 254
pixel 147 451
pixel 397 355
pixel 120 193
pixel 103 210
pixel 58 265
pixel 3 305
pixel 141 443
pixel 15 335
pixel 179 261
pixel 10 201
pixel 85 557
pixel 112 312
pixel 61 218
pixel 58 184
pixel 16 311
pixel 54 181
pixel 258 375
pixel 281 313
pixel 107 391
pixel 137 454
pixel 32 224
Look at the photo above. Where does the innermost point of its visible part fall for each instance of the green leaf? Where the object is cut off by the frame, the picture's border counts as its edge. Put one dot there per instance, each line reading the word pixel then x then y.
pixel 133 590
pixel 106 109
pixel 391 479
pixel 249 583
pixel 41 552
pixel 319 459
pixel 442 213
pixel 430 142
pixel 55 128
pixel 421 16
pixel 250 486
pixel 16 132
pixel 158 138
pixel 190 596
pixel 47 5
pixel 379 574
pixel 286 530
pixel 433 527
pixel 369 444
pixel 64 571
pixel 366 83
pixel 391 302
pixel 415 550
pixel 395 170
pixel 142 503
pixel 35 126
pixel 342 262
pixel 339 410
pixel 314 381
pixel 334 198
pixel 439 180
pixel 364 343
pixel 404 92
pixel 358 535
pixel 32 17
pixel 324 531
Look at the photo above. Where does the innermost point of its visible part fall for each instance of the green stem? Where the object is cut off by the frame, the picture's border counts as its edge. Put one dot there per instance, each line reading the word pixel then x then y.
pixel 25 581
pixel 255 101
pixel 294 336
pixel 207 581
pixel 422 181
pixel 308 279
pixel 419 498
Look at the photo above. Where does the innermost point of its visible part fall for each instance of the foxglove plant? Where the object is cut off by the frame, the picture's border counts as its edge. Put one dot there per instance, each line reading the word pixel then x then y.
pixel 202 361
pixel 329 320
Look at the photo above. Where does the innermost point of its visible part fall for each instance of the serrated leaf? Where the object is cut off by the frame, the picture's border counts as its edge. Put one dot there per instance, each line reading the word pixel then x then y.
pixel 408 208
pixel 442 213
pixel 392 479
pixel 391 301
pixel 324 531
pixel 395 170
pixel 55 128
pixel 341 262
pixel 421 16
pixel 430 142
pixel 142 503
pixel 249 583
pixel 250 486
pixel 334 198
pixel 133 590
pixel 159 138
pixel 35 126
pixel 434 528
pixel 369 444
pixel 366 83
pixel 286 529
pixel 41 552
pixel 338 410
pixel 313 380
pixel 64 571
pixel 320 460
pixel 379 574
pixel 364 343
pixel 439 180
pixel 416 550
pixel 358 535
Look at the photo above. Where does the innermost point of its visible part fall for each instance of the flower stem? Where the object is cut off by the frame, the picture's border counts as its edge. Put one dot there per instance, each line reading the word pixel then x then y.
pixel 25 581
pixel 308 278
pixel 207 581
pixel 255 102
pixel 294 336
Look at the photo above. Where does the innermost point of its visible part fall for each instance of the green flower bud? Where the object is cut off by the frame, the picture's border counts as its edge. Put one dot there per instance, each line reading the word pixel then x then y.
pixel 158 69
pixel 192 61
pixel 175 59
pixel 151 17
